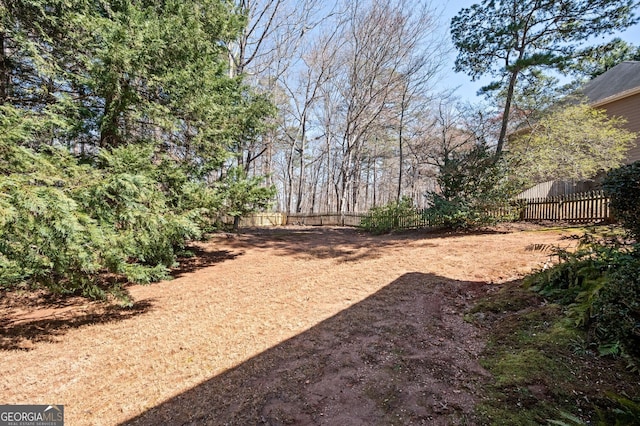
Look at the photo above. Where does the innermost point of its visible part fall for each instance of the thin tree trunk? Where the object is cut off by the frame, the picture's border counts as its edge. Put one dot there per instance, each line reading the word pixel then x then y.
pixel 4 71
pixel 401 155
pixel 267 164
pixel 327 181
pixel 302 170
pixel 375 182
pixel 345 183
pixel 355 189
pixel 109 127
pixel 289 183
pixel 316 182
pixel 367 184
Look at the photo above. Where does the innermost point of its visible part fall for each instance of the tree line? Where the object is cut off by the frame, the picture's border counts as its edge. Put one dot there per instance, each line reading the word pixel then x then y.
pixel 336 103
pixel 361 119
pixel 121 124
pixel 128 127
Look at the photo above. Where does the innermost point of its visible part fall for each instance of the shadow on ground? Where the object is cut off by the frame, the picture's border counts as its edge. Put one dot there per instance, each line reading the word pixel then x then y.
pixel 53 320
pixel 339 243
pixel 200 258
pixel 43 317
pixel 342 244
pixel 404 355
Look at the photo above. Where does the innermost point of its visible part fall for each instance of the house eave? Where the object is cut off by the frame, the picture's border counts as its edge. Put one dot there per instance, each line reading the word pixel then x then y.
pixel 616 97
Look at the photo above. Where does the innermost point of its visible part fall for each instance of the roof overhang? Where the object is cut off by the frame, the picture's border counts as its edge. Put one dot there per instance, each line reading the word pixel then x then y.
pixel 616 97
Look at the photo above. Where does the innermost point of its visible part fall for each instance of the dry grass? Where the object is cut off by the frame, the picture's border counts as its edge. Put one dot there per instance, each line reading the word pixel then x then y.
pixel 293 325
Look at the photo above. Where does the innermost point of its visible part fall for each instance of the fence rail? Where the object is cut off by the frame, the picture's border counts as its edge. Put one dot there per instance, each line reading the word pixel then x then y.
pixel 310 219
pixel 586 207
pixel 325 219
pixel 258 219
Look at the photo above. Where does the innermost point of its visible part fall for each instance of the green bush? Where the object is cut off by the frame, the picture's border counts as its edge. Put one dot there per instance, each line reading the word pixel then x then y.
pixel 600 285
pixel 67 225
pixel 623 187
pixel 83 226
pixel 127 200
pixel 616 311
pixel 600 282
pixel 458 213
pixel 387 218
pixel 473 185
pixel 46 240
pixel 242 194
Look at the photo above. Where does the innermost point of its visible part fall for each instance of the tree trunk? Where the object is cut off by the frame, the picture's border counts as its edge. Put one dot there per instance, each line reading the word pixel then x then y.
pixel 109 127
pixel 267 164
pixel 302 171
pixel 400 153
pixel 289 183
pixel 367 184
pixel 506 112
pixel 329 180
pixel 355 189
pixel 4 71
pixel 375 182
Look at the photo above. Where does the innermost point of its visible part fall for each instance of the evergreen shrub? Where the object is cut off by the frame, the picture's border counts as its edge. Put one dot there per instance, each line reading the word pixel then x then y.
pixel 387 218
pixel 66 225
pixel 622 185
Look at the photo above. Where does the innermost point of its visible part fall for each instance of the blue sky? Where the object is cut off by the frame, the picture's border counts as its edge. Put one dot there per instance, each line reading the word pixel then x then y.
pixel 466 88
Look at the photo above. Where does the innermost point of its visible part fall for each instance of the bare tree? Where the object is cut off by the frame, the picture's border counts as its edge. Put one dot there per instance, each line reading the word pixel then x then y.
pixel 314 71
pixel 382 49
pixel 354 94
pixel 269 45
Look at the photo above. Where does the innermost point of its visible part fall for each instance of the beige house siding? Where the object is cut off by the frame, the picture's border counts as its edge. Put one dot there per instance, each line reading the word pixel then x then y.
pixel 617 91
pixel 555 188
pixel 628 108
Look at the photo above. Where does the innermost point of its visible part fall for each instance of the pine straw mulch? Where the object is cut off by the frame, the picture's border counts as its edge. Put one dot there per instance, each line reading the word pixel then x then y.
pixel 291 325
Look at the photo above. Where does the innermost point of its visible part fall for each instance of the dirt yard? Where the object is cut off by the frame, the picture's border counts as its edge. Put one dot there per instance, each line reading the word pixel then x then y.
pixel 284 326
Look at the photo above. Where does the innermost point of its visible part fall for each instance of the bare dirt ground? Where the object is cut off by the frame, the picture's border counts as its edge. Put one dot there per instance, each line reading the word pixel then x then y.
pixel 281 326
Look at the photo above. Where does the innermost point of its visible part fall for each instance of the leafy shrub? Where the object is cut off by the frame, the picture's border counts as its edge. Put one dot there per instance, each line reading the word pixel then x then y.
pixel 600 285
pixel 458 213
pixel 473 185
pixel 623 187
pixel 616 312
pixel 65 225
pixel 242 194
pixel 383 219
pixel 600 282
pixel 128 201
pixel 46 239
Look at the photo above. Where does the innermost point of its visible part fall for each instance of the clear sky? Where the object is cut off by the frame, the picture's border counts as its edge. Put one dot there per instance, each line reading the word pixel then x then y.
pixel 466 89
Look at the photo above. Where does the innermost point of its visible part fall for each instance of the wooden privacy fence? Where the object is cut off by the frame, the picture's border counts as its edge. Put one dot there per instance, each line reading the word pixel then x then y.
pixel 325 219
pixel 259 219
pixel 310 219
pixel 586 207
pixel 415 220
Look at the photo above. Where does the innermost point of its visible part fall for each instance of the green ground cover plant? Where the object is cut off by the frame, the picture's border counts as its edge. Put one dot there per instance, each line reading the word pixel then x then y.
pixel 542 369
pixel 566 347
